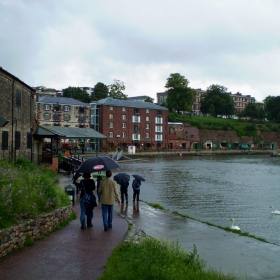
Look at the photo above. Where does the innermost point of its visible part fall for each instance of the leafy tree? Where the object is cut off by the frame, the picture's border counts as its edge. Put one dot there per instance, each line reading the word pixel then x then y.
pixel 217 102
pixel 100 91
pixel 272 107
pixel 179 95
pixel 149 99
pixel 76 93
pixel 254 112
pixel 116 90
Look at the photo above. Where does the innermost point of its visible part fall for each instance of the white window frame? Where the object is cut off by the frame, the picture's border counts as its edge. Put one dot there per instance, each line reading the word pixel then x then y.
pixel 124 109
pixel 47 107
pixel 123 134
pixel 147 126
pixel 147 135
pixel 158 137
pixel 111 108
pixel 111 124
pixel 66 108
pixel 135 137
pixel 158 128
pixel 158 120
pixel 111 116
pixel 136 119
pixel 123 125
pixel 147 118
pixel 147 111
pixel 123 117
pixel 111 134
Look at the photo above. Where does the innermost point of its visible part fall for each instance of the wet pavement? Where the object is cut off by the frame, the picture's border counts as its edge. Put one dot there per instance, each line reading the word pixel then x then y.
pixel 71 253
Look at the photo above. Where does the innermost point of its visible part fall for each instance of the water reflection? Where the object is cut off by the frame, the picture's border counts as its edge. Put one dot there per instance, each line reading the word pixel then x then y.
pixel 215 189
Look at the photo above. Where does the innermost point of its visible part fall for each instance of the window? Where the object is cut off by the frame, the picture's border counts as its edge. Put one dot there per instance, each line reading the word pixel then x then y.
pixel 136 137
pixel 136 128
pixel 66 117
pixel 158 128
pixel 47 107
pixel 158 120
pixel 123 125
pixel 158 137
pixel 147 111
pixel 56 107
pixel 5 138
pixel 123 134
pixel 123 117
pixel 29 140
pixel 111 108
pixel 123 109
pixel 147 126
pixel 147 119
pixel 159 112
pixel 136 111
pixel 81 110
pixel 17 140
pixel 111 125
pixel 111 134
pixel 56 117
pixel 66 108
pixel 147 135
pixel 18 98
pixel 136 119
pixel 47 116
pixel 110 116
pixel 81 119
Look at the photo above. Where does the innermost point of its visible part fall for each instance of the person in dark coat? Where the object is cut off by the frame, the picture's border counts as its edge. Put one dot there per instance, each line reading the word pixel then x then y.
pixel 124 192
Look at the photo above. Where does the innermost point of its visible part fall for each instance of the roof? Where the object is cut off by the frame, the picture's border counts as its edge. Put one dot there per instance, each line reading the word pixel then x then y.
pixel 68 132
pixel 139 97
pixel 129 103
pixel 61 100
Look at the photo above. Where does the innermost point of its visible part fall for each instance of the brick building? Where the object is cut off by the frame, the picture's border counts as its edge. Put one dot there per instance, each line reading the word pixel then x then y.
pixel 125 122
pixel 17 119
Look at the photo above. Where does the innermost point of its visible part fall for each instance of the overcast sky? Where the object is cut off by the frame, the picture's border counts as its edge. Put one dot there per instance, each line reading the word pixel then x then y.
pixel 61 43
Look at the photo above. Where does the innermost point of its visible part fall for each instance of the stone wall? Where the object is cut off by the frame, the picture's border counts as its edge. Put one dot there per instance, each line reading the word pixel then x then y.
pixel 13 238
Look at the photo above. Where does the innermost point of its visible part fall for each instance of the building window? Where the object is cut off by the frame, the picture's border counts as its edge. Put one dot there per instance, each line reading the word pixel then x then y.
pixel 47 116
pixel 147 119
pixel 56 107
pixel 111 108
pixel 147 111
pixel 111 134
pixel 158 128
pixel 123 134
pixel 81 110
pixel 158 120
pixel 147 126
pixel 159 112
pixel 66 117
pixel 110 116
pixel 136 119
pixel 111 125
pixel 17 140
pixel 158 137
pixel 56 117
pixel 18 98
pixel 136 137
pixel 5 138
pixel 123 109
pixel 123 125
pixel 124 117
pixel 66 108
pixel 136 128
pixel 47 107
pixel 136 111
pixel 29 140
pixel 147 135
pixel 81 119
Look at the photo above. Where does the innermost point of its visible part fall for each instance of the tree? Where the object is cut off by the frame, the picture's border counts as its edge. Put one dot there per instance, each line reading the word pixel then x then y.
pixel 116 90
pixel 179 95
pixel 272 107
pixel 149 99
pixel 217 102
pixel 251 111
pixel 100 91
pixel 76 93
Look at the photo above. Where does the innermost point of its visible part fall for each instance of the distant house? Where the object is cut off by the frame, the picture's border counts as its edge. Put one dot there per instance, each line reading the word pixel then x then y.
pixel 44 91
pixel 126 122
pixel 17 120
pixel 139 98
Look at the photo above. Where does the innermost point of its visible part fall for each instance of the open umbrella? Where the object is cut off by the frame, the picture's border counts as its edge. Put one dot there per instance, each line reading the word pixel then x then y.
pixel 122 178
pixel 99 163
pixel 138 177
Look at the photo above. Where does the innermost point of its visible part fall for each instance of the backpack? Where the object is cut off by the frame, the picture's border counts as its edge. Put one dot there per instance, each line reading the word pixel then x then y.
pixel 135 184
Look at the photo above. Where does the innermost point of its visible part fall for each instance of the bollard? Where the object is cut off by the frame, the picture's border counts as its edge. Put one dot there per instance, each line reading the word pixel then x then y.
pixel 70 190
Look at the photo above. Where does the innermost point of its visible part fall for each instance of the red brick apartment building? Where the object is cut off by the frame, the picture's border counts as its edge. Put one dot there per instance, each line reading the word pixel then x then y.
pixel 126 122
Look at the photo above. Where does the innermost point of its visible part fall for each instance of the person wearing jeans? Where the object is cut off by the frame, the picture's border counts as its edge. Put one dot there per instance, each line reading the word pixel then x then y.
pixel 136 190
pixel 108 190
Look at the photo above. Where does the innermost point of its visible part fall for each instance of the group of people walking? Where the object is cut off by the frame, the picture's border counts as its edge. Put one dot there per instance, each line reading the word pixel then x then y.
pixel 107 193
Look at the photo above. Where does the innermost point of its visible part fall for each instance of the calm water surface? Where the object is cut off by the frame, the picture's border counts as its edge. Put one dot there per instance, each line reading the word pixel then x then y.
pixel 215 189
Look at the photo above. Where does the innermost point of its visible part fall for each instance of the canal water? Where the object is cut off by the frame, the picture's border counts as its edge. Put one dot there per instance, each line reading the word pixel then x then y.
pixel 215 189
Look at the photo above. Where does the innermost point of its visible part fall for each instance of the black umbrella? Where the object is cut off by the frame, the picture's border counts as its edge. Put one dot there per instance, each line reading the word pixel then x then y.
pixel 122 178
pixel 138 177
pixel 99 163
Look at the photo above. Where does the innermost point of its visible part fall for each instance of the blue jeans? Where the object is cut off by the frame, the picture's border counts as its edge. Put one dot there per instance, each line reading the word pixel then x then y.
pixel 107 215
pixel 85 212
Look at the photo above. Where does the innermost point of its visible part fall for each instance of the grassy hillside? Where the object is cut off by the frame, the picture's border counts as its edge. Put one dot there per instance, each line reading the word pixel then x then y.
pixel 242 127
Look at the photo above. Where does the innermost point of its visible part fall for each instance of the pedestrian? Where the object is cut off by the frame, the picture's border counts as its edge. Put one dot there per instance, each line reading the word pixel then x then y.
pixel 136 190
pixel 124 187
pixel 108 190
pixel 99 178
pixel 88 186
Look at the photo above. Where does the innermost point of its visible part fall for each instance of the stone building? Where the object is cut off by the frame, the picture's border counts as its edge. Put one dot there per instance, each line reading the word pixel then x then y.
pixel 17 119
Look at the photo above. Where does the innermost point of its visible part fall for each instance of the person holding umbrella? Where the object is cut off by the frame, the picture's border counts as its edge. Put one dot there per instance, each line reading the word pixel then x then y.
pixel 123 180
pixel 136 187
pixel 109 191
